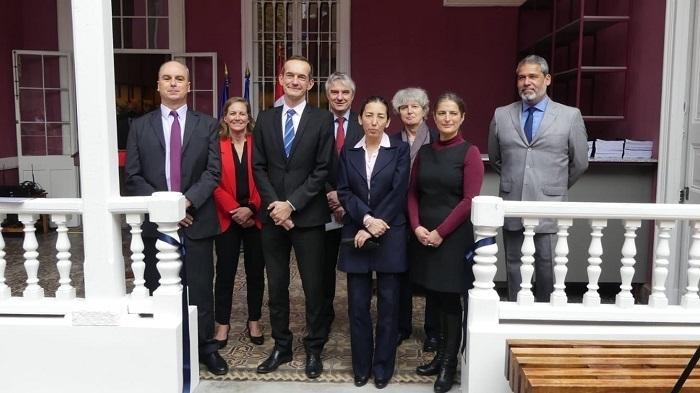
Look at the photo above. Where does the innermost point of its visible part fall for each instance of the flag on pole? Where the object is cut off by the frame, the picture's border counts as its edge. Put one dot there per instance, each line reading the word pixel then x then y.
pixel 279 91
pixel 224 93
pixel 246 84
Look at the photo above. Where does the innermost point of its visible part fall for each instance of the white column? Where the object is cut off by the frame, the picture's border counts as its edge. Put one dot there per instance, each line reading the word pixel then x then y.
pixel 595 251
pixel 624 298
pixel 31 263
pixel 4 289
pixel 97 133
pixel 65 290
pixel 137 264
pixel 558 297
pixel 525 295
pixel 691 299
pixel 658 297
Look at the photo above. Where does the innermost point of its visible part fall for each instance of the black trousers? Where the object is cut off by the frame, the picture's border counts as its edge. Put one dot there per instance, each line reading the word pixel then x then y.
pixel 332 245
pixel 309 250
pixel 431 323
pixel 373 352
pixel 228 246
pixel 199 265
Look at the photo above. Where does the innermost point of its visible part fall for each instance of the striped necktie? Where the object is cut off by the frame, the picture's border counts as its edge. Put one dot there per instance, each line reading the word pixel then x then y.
pixel 289 132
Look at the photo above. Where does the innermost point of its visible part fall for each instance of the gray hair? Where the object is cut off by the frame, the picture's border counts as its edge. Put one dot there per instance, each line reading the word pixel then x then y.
pixel 416 94
pixel 342 78
pixel 534 59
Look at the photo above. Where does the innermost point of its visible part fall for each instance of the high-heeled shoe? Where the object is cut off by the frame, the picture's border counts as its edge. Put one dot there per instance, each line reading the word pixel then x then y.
pixel 222 343
pixel 257 340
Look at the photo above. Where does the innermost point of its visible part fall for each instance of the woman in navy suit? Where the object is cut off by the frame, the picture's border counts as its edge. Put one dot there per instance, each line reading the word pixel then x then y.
pixel 372 187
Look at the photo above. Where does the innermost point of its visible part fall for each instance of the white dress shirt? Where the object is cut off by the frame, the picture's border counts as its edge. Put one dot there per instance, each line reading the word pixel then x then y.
pixel 167 122
pixel 371 159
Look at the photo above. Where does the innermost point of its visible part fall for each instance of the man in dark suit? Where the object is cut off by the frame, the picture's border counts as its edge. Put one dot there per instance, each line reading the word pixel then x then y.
pixel 340 91
pixel 539 149
pixel 176 149
pixel 293 148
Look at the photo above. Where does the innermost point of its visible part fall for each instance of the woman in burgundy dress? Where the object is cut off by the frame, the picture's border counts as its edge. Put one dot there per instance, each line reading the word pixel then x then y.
pixel 446 175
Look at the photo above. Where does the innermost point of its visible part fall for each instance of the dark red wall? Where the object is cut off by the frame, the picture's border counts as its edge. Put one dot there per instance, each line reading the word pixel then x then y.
pixel 214 26
pixel 644 76
pixel 470 51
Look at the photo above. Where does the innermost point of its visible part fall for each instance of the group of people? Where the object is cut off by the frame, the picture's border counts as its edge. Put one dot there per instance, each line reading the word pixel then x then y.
pixel 391 210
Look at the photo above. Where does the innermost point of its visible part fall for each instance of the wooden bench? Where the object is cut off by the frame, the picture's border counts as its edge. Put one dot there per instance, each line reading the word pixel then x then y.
pixel 566 366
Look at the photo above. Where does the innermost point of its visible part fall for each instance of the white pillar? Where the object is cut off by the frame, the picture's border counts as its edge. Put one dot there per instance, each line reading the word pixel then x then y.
pixel 97 133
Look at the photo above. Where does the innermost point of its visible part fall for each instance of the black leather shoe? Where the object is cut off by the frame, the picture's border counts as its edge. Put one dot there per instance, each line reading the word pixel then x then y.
pixel 314 365
pixel 361 380
pixel 214 362
pixel 257 340
pixel 380 383
pixel 431 344
pixel 273 361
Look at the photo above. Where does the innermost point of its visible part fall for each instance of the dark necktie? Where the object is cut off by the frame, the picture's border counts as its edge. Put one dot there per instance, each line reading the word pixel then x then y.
pixel 340 134
pixel 289 132
pixel 528 123
pixel 175 147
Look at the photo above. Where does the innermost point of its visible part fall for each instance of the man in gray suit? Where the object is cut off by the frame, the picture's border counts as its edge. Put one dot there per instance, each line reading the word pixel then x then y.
pixel 539 149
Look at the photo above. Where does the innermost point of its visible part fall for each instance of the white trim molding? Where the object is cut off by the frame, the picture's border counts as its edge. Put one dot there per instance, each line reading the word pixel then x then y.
pixel 8 163
pixel 482 3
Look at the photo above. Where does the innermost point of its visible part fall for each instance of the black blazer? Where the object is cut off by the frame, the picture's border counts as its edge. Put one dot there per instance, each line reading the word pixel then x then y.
pixel 301 178
pixel 385 199
pixel 201 167
pixel 353 134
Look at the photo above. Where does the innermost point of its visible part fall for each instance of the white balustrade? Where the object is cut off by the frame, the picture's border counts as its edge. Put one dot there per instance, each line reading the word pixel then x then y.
pixel 658 298
pixel 624 298
pixel 525 295
pixel 137 264
pixel 691 299
pixel 486 219
pixel 31 263
pixel 4 289
pixel 595 250
pixel 561 251
pixel 65 290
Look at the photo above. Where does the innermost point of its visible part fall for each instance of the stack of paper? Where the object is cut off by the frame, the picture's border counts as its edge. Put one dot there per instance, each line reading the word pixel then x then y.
pixel 638 149
pixel 609 149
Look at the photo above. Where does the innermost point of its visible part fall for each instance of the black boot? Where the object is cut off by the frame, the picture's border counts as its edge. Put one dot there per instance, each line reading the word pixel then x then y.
pixel 453 336
pixel 433 368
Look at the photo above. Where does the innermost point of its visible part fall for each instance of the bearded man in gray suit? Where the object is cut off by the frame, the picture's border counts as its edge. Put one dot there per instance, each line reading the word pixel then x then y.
pixel 539 149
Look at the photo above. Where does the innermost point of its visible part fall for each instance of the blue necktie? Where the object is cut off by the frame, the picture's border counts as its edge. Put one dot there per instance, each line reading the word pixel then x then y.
pixel 289 132
pixel 528 123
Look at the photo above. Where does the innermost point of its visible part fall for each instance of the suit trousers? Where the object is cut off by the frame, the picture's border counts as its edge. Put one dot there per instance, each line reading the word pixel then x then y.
pixel 309 250
pixel 199 265
pixel 431 323
pixel 544 269
pixel 228 246
pixel 332 245
pixel 367 355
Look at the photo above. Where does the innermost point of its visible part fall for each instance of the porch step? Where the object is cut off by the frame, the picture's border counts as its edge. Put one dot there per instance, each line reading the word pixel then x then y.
pixel 573 366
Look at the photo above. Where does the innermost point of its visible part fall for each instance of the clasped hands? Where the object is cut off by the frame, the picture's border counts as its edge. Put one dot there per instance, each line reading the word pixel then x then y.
pixel 280 212
pixel 335 206
pixel 375 226
pixel 428 238
pixel 243 216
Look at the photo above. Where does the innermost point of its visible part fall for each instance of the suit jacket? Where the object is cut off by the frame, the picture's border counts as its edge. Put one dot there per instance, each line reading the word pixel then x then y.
pixel 544 169
pixel 301 178
pixel 385 199
pixel 200 169
pixel 353 134
pixel 225 192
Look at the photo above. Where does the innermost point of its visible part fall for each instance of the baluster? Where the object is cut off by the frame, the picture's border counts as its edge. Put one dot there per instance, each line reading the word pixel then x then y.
pixel 4 289
pixel 31 264
pixel 485 263
pixel 525 295
pixel 663 251
pixel 595 251
pixel 624 298
pixel 65 290
pixel 169 263
pixel 691 299
pixel 137 264
pixel 558 297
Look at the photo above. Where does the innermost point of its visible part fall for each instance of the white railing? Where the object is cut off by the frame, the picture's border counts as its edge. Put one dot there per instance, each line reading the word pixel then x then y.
pixel 95 327
pixel 491 321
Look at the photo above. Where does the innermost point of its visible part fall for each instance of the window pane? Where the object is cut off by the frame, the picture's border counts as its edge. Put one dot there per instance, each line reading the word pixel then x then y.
pixel 158 33
pixel 203 102
pixel 116 8
pixel 134 7
pixel 203 69
pixel 157 7
pixel 31 105
pixel 54 139
pixel 117 33
pixel 30 71
pixel 33 139
pixel 54 109
pixel 135 33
